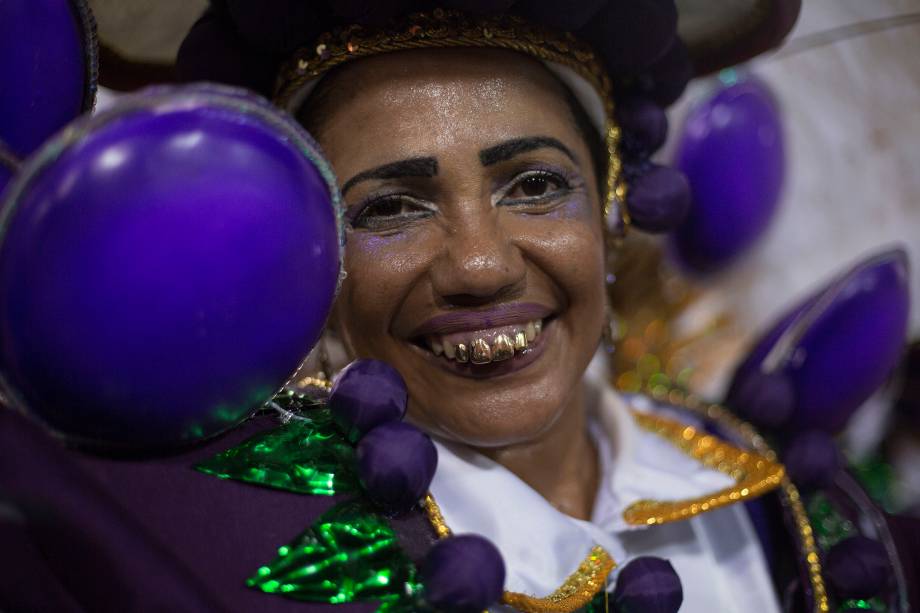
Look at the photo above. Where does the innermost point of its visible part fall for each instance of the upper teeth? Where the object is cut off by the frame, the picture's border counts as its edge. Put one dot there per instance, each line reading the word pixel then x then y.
pixel 482 349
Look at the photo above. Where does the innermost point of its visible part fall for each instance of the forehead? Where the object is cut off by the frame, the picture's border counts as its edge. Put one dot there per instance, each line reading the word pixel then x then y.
pixel 433 101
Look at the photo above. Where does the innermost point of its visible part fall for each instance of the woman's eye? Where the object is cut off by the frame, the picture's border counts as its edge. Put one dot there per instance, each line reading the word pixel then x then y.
pixel 389 212
pixel 536 186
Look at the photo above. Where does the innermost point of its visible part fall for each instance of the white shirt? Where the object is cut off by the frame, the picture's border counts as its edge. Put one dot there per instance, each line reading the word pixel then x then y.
pixel 716 554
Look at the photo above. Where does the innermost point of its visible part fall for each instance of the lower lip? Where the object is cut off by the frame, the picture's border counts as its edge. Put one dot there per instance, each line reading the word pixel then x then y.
pixel 496 369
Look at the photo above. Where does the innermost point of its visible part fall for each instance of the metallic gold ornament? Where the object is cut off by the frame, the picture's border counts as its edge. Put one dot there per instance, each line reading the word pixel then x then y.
pixel 502 348
pixel 480 352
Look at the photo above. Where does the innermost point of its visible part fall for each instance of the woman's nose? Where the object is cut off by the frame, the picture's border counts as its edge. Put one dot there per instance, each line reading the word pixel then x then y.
pixel 479 263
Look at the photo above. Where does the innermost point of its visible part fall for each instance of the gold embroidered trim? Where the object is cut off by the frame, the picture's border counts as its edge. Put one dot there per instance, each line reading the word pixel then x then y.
pixel 788 492
pixel 575 592
pixel 448 28
pixel 753 473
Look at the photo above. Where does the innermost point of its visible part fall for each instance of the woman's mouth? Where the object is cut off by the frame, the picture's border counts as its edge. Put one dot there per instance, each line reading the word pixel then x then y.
pixel 485 346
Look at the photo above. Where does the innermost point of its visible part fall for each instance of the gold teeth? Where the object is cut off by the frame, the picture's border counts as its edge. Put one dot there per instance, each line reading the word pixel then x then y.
pixel 481 351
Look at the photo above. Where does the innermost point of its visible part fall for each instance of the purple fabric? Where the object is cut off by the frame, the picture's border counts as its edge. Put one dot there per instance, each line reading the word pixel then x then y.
pixel 857 567
pixel 632 35
pixel 42 71
pixel 396 463
pixel 563 15
pixel 367 393
pixel 647 585
pixel 139 534
pixel 463 574
pixel 166 272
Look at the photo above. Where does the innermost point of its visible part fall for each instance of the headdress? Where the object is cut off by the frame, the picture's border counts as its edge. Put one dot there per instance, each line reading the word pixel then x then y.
pixel 621 50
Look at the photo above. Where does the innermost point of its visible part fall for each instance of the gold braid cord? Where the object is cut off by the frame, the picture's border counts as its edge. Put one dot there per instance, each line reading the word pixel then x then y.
pixel 447 28
pixel 753 474
pixel 788 493
pixel 575 592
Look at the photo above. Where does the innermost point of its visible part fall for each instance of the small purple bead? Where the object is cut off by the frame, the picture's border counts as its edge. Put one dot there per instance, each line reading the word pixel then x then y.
pixel 367 393
pixel 658 199
pixel 647 585
pixel 812 459
pixel 396 462
pixel 765 399
pixel 644 124
pixel 857 567
pixel 463 574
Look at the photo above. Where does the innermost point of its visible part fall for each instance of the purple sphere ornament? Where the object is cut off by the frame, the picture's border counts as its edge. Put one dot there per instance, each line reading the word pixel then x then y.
pixel 463 574
pixel 396 463
pixel 839 345
pixel 47 67
pixel 644 124
pixel 812 460
pixel 647 585
pixel 657 198
pixel 165 266
pixel 857 567
pixel 731 149
pixel 367 393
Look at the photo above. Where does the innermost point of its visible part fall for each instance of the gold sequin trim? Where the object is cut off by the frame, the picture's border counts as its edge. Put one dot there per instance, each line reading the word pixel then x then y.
pixel 753 473
pixel 448 28
pixel 788 492
pixel 577 591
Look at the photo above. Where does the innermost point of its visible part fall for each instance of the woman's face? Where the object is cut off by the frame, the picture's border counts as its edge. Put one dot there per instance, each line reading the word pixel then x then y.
pixel 474 230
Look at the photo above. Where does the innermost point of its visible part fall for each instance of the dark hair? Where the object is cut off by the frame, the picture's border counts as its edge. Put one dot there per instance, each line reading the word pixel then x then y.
pixel 316 108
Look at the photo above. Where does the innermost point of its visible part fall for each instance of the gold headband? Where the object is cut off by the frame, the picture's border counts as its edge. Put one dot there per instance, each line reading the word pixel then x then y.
pixel 447 28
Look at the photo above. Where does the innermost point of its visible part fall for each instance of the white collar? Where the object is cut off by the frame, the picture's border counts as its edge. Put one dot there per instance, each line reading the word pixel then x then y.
pixel 540 545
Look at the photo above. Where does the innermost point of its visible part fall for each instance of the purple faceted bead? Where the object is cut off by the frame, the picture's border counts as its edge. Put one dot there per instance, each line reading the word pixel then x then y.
pixel 165 266
pixel 857 567
pixel 658 199
pixel 764 399
pixel 463 574
pixel 396 463
pixel 812 460
pixel 839 345
pixel 367 393
pixel 647 585
pixel 731 150
pixel 47 64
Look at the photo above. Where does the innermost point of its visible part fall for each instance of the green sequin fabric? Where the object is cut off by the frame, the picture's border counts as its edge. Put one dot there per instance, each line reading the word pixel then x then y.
pixel 349 554
pixel 307 455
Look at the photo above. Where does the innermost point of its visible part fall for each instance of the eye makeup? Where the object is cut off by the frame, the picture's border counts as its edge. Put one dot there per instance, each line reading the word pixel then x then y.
pixel 384 211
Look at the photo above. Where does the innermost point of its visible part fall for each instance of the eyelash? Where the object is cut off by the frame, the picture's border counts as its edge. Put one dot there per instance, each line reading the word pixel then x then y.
pixel 363 220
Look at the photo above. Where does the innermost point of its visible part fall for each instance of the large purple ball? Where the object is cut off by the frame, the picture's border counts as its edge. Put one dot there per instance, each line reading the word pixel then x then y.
pixel 839 345
pixel 396 462
pixel 367 393
pixel 463 574
pixel 165 267
pixel 731 150
pixel 47 68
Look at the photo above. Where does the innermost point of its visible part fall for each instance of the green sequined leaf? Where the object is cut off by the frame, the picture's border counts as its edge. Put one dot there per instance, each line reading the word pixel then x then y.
pixel 349 554
pixel 308 455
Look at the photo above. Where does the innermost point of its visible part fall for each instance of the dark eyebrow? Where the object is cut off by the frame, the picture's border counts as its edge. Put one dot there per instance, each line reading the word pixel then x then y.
pixel 412 167
pixel 516 146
